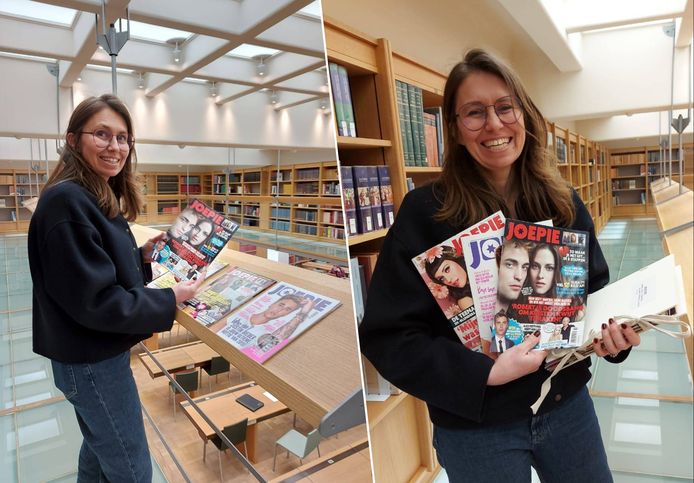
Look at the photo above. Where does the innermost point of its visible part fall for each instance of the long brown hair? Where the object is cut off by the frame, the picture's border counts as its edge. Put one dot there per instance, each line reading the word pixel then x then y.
pixel 121 194
pixel 468 196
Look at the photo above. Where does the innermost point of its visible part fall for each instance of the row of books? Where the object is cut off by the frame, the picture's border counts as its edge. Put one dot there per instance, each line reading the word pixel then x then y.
pixel 421 129
pixel 624 184
pixel 630 200
pixel 368 198
pixel 344 109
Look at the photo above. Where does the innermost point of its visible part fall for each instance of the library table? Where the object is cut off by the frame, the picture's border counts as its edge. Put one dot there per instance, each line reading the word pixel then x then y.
pixel 318 373
pixel 222 409
pixel 178 358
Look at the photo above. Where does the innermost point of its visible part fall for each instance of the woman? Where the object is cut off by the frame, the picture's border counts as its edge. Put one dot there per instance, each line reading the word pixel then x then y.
pixel 545 270
pixel 448 269
pixel 90 305
pixel 484 429
pixel 201 232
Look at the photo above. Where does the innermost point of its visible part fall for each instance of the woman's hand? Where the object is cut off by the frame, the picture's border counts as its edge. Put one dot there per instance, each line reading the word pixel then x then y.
pixel 517 361
pixel 187 289
pixel 148 247
pixel 615 338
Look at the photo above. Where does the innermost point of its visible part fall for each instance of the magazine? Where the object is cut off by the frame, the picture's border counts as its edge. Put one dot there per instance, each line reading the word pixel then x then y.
pixel 266 324
pixel 443 269
pixel 165 279
pixel 542 282
pixel 480 252
pixel 653 290
pixel 225 294
pixel 194 239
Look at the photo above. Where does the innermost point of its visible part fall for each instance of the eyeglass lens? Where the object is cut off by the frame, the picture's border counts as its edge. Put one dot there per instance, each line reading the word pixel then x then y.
pixel 474 114
pixel 102 138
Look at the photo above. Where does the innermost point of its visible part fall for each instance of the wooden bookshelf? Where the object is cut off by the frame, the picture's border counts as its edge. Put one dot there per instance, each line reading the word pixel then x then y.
pixel 17 187
pixel 633 170
pixel 584 164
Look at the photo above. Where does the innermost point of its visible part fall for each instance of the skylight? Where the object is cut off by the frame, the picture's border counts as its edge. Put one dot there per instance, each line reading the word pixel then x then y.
pixel 155 33
pixel 312 9
pixel 249 51
pixel 38 11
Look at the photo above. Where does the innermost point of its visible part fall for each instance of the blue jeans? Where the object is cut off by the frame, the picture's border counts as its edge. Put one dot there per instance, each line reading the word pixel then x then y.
pixel 109 414
pixel 563 445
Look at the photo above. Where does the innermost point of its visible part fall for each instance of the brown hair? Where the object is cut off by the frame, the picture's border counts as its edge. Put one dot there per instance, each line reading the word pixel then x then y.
pixel 468 196
pixel 121 194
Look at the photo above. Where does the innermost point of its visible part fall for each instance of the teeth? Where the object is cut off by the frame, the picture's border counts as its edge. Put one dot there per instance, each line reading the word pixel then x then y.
pixel 496 142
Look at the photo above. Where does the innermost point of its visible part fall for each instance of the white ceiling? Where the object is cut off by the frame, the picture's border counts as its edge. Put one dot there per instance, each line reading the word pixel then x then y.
pixel 577 58
pixel 219 39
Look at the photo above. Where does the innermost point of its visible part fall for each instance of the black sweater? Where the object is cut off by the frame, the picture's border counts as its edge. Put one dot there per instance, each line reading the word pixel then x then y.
pixel 89 299
pixel 408 339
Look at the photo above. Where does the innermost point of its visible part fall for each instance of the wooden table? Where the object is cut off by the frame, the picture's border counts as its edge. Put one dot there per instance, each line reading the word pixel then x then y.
pixel 316 372
pixel 222 409
pixel 178 358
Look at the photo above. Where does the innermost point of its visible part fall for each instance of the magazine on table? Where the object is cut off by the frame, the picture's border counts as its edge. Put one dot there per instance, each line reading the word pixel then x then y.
pixel 542 282
pixel 225 294
pixel 195 238
pixel 273 319
pixel 444 271
pixel 653 290
pixel 162 278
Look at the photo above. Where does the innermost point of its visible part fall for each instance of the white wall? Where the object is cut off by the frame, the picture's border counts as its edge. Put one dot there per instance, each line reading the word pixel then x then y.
pixel 624 70
pixel 184 114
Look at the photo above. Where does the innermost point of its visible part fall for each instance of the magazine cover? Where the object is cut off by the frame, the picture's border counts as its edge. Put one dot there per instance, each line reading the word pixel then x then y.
pixel 480 252
pixel 266 324
pixel 165 279
pixel 225 294
pixel 194 239
pixel 542 281
pixel 444 271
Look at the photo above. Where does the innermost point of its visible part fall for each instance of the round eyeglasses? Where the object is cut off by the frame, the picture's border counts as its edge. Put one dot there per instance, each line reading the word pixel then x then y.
pixel 102 139
pixel 474 114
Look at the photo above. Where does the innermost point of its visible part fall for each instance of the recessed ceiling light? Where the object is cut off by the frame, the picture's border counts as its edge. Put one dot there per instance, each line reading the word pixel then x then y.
pixel 250 51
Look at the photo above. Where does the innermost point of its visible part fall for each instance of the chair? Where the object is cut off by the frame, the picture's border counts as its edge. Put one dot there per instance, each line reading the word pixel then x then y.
pixel 236 434
pixel 298 444
pixel 217 365
pixel 187 380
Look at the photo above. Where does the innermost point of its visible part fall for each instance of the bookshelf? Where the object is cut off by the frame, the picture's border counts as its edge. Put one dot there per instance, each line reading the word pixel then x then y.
pixel 633 170
pixel 584 164
pixel 16 187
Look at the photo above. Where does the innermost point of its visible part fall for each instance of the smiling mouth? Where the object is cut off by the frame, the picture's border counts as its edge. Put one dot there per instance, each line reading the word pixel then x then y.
pixel 497 144
pixel 111 161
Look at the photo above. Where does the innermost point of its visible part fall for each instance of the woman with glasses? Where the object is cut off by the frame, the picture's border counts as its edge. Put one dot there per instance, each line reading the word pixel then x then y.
pixel 484 428
pixel 90 304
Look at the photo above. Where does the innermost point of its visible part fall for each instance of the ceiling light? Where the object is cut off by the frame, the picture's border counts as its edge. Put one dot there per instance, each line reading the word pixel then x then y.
pixel 214 92
pixel 324 104
pixel 79 77
pixel 177 51
pixel 261 66
pixel 140 80
pixel 274 98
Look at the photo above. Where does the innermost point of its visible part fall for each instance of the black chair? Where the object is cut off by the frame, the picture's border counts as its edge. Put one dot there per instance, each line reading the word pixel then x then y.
pixel 187 380
pixel 236 434
pixel 217 365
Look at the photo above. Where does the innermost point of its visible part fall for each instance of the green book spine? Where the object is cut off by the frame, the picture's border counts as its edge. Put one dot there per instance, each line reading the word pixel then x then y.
pixel 420 127
pixel 408 124
pixel 412 102
pixel 406 154
pixel 348 108
pixel 337 98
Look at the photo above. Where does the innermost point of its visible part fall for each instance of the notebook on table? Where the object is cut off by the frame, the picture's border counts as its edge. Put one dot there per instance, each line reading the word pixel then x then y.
pixel 249 402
